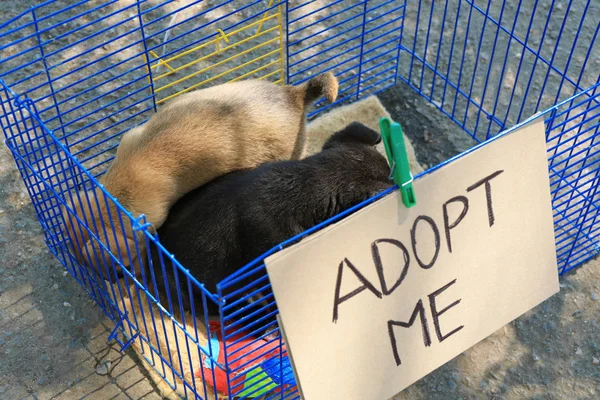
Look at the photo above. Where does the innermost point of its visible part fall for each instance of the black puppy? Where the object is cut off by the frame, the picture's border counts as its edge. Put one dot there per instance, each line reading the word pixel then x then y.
pixel 219 227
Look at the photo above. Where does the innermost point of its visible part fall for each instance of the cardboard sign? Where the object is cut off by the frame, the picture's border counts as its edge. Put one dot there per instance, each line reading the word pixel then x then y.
pixel 370 305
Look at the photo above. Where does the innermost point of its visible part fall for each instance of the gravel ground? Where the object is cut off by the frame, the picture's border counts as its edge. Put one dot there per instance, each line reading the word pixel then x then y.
pixel 53 339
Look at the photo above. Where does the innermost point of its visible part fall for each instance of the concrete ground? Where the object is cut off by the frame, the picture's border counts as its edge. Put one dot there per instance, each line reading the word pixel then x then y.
pixel 53 339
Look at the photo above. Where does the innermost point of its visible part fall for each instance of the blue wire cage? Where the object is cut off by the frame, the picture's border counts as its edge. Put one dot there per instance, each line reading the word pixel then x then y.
pixel 74 76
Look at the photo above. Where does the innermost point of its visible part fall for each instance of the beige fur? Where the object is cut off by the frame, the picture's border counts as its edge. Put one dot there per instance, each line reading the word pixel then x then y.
pixel 187 143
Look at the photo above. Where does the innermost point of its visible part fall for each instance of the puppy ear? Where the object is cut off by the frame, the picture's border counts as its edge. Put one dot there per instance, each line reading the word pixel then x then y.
pixel 356 133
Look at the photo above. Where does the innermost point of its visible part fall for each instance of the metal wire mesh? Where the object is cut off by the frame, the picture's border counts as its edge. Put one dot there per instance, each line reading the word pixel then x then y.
pixel 75 76
pixel 490 65
pixel 358 41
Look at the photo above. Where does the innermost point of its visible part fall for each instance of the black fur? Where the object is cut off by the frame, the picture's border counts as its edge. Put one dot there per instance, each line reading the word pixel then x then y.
pixel 221 226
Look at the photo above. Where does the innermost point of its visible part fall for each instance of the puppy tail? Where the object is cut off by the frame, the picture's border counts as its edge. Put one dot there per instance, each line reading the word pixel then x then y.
pixel 321 85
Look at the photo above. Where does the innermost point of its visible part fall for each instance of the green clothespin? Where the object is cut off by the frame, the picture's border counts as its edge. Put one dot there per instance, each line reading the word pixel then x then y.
pixel 393 140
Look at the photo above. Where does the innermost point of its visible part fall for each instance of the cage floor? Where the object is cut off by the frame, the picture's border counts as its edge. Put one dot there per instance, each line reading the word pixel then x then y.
pixel 49 356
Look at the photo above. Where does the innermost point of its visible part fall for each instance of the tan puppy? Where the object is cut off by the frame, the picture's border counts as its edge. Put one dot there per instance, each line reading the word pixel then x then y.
pixel 190 141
